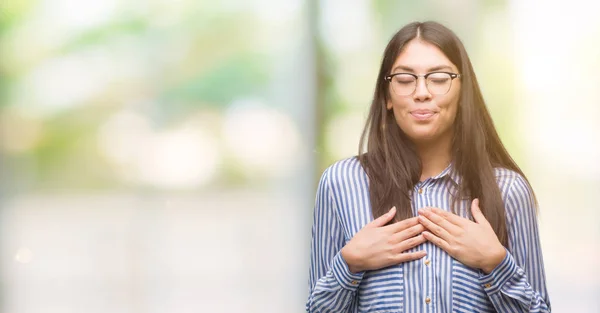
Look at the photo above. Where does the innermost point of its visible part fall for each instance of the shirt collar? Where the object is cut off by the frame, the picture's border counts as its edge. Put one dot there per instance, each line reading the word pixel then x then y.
pixel 451 172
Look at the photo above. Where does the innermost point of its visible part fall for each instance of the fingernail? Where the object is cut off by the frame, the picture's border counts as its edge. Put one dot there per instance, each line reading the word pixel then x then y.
pixel 392 210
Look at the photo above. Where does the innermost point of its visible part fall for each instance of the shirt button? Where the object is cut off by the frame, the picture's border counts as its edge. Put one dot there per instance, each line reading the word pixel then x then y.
pixel 487 285
pixel 420 191
pixel 427 300
pixel 354 282
pixel 427 262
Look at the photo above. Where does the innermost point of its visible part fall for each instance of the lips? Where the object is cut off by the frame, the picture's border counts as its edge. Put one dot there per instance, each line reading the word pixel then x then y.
pixel 422 114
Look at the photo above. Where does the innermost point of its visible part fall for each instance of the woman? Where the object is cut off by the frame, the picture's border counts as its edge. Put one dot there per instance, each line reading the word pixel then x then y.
pixel 462 233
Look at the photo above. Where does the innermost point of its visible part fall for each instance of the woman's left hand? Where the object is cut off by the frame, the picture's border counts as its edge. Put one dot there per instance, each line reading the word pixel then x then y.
pixel 474 244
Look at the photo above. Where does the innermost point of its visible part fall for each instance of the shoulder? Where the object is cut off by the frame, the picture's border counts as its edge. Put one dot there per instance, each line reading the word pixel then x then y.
pixel 505 177
pixel 508 180
pixel 516 191
pixel 344 171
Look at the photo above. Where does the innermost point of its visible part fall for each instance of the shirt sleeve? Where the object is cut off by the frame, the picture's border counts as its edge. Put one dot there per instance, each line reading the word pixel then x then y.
pixel 332 287
pixel 518 283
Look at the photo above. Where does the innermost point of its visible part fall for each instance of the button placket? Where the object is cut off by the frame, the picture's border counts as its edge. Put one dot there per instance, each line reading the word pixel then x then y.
pixel 429 283
pixel 421 198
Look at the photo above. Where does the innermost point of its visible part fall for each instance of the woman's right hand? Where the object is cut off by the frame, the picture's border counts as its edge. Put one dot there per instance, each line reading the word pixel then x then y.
pixel 377 246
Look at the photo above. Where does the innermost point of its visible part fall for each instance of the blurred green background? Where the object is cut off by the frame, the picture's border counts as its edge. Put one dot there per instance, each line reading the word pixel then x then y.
pixel 162 156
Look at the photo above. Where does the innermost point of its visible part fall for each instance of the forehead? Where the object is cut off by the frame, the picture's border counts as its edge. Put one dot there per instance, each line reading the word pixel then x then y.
pixel 421 56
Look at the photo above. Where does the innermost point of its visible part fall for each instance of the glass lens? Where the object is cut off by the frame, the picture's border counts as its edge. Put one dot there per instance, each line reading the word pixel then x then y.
pixel 439 83
pixel 404 84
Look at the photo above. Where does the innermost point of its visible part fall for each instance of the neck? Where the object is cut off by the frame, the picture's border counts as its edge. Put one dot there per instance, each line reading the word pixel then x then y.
pixel 435 156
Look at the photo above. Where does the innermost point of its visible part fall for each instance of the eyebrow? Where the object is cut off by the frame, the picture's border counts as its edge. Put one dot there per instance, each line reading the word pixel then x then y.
pixel 432 69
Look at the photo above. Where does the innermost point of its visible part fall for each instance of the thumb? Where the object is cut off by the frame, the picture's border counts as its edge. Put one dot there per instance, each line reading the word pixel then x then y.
pixel 477 215
pixel 384 219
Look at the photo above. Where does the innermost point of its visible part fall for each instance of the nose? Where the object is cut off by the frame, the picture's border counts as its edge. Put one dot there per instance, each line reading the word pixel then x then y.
pixel 421 91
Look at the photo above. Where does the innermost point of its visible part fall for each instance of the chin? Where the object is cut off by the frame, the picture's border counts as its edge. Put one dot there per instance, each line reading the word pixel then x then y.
pixel 422 135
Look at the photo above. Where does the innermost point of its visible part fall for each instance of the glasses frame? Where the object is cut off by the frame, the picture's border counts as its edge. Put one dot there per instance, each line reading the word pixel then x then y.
pixel 388 78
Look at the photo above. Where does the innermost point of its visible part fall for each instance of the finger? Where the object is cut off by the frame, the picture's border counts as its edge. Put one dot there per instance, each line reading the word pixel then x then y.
pixel 477 215
pixel 440 221
pixel 409 256
pixel 410 243
pixel 407 233
pixel 451 217
pixel 434 228
pixel 441 243
pixel 402 225
pixel 384 219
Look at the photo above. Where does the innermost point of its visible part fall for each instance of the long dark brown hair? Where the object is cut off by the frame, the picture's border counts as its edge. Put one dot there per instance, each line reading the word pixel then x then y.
pixel 391 160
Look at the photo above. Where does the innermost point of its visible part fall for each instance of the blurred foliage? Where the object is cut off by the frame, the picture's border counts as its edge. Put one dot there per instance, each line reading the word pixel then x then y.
pixel 220 63
pixel 12 11
pixel 134 26
pixel 68 154
pixel 205 59
pixel 241 75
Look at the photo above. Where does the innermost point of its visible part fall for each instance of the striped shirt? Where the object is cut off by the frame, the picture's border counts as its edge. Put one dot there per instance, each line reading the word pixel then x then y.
pixel 436 283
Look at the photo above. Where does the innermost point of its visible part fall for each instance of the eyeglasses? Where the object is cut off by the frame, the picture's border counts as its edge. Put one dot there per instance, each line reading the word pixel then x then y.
pixel 438 83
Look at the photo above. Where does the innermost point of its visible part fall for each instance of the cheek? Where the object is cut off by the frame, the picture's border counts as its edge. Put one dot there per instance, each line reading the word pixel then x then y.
pixel 450 107
pixel 401 114
pixel 404 120
pixel 452 110
pixel 448 118
pixel 400 108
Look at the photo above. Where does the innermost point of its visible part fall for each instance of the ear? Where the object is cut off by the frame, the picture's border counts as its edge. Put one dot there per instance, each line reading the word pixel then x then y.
pixel 388 105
